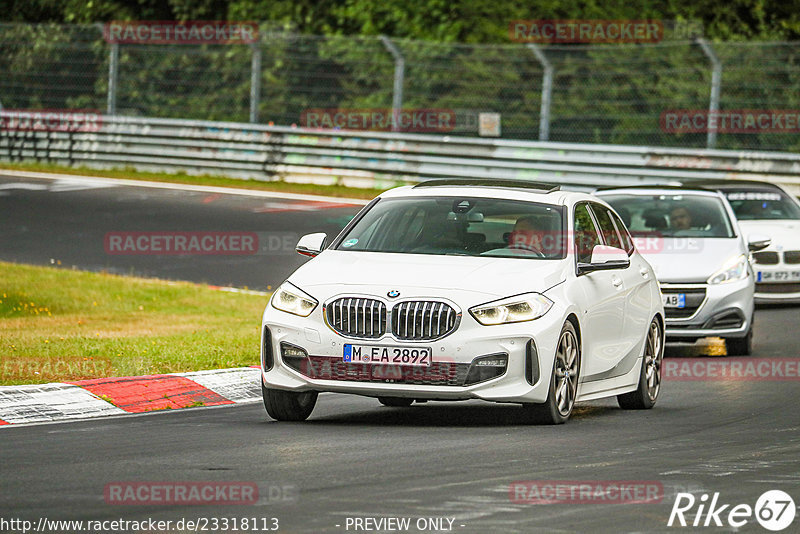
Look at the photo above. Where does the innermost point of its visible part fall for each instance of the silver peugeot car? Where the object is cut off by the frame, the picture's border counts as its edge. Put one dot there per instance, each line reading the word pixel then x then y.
pixel 700 257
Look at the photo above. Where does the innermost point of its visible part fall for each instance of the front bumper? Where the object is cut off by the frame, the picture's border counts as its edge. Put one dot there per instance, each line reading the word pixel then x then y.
pixel 324 369
pixel 725 310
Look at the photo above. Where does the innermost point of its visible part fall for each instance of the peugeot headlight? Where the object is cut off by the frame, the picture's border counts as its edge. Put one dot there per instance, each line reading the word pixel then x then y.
pixel 292 300
pixel 516 309
pixel 734 269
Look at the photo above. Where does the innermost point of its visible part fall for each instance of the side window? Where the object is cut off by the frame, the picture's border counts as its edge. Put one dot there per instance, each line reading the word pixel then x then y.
pixel 627 240
pixel 586 236
pixel 607 228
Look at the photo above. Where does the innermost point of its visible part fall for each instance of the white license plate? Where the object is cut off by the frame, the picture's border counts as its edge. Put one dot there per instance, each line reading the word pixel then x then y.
pixel 778 276
pixel 674 300
pixel 383 355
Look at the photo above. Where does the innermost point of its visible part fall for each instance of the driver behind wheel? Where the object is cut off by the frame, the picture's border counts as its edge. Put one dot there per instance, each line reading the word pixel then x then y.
pixel 526 234
pixel 536 233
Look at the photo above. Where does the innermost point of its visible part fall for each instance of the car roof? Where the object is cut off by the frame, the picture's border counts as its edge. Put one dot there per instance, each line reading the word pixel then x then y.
pixel 649 189
pixel 501 189
pixel 735 185
pixel 505 184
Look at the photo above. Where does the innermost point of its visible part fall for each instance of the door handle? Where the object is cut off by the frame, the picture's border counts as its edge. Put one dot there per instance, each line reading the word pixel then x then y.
pixel 617 282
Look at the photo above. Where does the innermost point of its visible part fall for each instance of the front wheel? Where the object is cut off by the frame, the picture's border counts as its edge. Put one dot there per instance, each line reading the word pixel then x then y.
pixel 741 346
pixel 288 405
pixel 563 381
pixel 646 393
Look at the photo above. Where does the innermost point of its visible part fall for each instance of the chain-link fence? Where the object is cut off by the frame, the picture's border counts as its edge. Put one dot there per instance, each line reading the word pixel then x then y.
pixel 591 93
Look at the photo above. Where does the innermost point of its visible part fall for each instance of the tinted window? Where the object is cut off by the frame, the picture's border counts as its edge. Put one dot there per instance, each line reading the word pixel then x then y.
pixel 607 228
pixel 585 234
pixel 627 241
pixel 751 205
pixel 675 214
pixel 460 226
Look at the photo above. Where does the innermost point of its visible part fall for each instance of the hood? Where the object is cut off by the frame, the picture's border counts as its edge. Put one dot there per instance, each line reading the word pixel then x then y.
pixel 688 259
pixel 335 271
pixel 785 234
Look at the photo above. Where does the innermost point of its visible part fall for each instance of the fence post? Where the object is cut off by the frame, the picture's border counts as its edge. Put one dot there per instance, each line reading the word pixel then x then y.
pixel 547 92
pixel 399 75
pixel 716 82
pixel 113 74
pixel 255 80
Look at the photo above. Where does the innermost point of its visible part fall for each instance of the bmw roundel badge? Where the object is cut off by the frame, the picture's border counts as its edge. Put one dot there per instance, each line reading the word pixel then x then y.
pixel 393 294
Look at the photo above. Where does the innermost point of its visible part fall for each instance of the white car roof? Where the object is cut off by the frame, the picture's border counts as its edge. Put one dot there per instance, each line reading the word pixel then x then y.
pixel 556 197
pixel 656 190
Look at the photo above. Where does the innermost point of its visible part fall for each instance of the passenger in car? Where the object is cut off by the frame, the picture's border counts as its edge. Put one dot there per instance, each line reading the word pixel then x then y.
pixel 680 219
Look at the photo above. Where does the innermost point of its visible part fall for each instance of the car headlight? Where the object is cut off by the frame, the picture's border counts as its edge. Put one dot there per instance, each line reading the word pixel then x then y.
pixel 734 269
pixel 516 309
pixel 292 300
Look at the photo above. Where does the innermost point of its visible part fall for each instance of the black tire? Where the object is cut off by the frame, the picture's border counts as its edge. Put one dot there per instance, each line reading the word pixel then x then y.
pixel 396 402
pixel 288 405
pixel 555 411
pixel 646 393
pixel 740 346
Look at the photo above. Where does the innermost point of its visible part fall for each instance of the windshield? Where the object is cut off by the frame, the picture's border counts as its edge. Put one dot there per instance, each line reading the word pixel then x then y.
pixel 753 205
pixel 460 226
pixel 672 214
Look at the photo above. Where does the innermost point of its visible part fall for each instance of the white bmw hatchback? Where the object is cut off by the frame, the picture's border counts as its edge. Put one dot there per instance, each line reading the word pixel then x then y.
pixel 453 290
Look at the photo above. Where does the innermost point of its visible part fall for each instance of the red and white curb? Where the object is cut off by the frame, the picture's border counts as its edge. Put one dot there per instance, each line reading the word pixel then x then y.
pixel 42 403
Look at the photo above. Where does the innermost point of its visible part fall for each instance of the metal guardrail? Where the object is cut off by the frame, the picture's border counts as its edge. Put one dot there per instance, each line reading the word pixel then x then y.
pixel 376 159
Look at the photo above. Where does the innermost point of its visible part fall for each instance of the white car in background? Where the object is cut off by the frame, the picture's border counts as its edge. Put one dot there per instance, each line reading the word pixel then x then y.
pixel 764 208
pixel 700 257
pixel 457 289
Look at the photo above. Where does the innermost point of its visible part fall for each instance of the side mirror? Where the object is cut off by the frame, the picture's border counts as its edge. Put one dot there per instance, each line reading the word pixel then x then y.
pixel 756 242
pixel 605 258
pixel 311 244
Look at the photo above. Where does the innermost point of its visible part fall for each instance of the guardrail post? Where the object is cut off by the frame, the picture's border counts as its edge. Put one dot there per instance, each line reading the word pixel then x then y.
pixel 255 80
pixel 399 75
pixel 113 73
pixel 547 92
pixel 716 82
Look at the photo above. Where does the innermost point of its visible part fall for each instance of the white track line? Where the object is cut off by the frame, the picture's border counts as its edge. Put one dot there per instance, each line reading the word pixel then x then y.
pixel 106 182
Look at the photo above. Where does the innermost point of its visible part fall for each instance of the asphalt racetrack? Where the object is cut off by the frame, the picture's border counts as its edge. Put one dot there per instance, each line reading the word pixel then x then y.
pixel 451 465
pixel 72 221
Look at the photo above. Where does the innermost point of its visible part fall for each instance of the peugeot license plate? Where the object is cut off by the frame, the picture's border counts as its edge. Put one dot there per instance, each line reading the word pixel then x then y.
pixel 674 300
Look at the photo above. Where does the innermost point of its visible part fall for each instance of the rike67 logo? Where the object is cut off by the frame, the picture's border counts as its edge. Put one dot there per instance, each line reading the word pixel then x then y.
pixel 774 510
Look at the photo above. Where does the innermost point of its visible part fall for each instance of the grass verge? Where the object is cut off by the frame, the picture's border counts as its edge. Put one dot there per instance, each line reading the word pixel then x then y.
pixel 183 178
pixel 61 325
